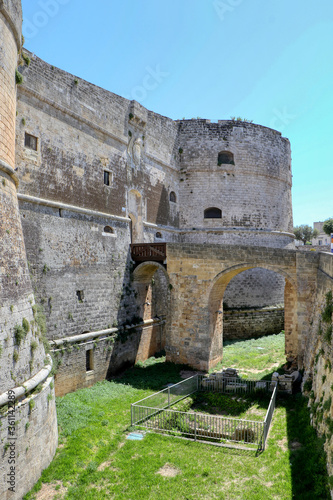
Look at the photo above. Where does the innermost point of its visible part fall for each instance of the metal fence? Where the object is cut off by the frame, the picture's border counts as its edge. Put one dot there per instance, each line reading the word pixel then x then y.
pixel 233 385
pixel 154 413
pixel 269 415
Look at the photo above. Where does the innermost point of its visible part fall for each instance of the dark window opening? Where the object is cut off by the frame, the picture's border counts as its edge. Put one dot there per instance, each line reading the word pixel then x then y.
pixel 89 360
pixel 213 213
pixel 158 235
pixel 108 229
pixel 225 157
pixel 106 178
pixel 80 295
pixel 173 197
pixel 30 142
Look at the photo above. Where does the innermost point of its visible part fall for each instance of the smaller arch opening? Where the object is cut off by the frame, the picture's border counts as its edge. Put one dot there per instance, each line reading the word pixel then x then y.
pixel 213 213
pixel 173 197
pixel 158 235
pixel 108 230
pixel 225 158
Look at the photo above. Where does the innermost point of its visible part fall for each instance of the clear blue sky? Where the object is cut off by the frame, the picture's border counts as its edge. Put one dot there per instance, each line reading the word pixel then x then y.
pixel 265 60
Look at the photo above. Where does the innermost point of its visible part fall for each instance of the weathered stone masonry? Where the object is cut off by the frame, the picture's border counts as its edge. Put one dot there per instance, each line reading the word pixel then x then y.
pixel 28 430
pixel 96 172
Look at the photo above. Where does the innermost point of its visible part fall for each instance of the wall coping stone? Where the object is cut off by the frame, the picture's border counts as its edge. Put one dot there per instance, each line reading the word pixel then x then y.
pixel 101 333
pixel 30 384
pixel 9 171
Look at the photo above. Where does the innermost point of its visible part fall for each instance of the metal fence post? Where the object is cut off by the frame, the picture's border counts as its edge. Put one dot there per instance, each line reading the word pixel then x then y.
pixel 131 414
pixel 168 396
pixel 195 427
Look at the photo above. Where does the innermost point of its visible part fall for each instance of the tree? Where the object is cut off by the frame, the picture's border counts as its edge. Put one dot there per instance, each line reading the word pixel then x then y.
pixel 328 226
pixel 305 233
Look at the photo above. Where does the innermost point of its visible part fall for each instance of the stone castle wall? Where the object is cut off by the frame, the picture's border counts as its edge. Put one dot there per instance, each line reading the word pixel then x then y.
pixel 22 352
pixel 318 359
pixel 83 131
pixel 255 288
pixel 252 323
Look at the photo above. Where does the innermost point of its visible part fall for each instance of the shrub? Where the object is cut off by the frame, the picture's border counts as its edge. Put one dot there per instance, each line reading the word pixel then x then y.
pixel 19 334
pixel 307 385
pixel 18 77
pixel 33 345
pixel 26 59
pixel 25 325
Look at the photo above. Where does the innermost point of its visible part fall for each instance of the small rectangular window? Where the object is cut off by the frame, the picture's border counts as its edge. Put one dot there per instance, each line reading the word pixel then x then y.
pixel 30 142
pixel 89 360
pixel 106 178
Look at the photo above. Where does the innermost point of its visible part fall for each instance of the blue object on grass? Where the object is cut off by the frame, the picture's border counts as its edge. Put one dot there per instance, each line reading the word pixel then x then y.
pixel 136 436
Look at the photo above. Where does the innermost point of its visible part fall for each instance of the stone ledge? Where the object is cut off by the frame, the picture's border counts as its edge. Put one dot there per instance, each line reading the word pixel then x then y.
pixel 30 384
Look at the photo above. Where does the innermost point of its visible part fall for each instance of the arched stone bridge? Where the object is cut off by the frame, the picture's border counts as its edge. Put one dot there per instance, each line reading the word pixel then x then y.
pixel 198 276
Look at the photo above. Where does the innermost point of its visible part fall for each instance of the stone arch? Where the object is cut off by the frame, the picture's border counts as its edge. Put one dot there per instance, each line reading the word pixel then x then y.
pixel 146 277
pixel 151 283
pixel 215 307
pixel 212 213
pixel 225 158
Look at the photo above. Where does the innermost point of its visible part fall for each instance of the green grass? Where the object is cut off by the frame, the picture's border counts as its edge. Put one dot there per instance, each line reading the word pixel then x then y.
pixel 250 407
pixel 254 358
pixel 95 461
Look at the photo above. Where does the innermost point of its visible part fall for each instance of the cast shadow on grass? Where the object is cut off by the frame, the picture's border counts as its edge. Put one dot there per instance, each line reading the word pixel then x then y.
pixel 154 376
pixel 306 451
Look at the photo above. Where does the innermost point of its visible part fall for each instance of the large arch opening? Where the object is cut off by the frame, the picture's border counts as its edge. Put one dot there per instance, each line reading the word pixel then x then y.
pixel 216 311
pixel 253 304
pixel 151 284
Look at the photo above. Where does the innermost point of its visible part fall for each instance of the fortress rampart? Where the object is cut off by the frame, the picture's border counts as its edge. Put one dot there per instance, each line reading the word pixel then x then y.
pixel 162 176
pixel 22 353
pixel 84 173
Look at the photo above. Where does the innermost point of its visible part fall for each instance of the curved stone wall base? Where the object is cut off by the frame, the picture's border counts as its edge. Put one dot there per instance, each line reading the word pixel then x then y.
pixel 29 439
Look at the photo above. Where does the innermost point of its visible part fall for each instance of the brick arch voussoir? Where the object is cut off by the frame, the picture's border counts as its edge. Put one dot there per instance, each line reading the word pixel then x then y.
pixel 221 280
pixel 144 272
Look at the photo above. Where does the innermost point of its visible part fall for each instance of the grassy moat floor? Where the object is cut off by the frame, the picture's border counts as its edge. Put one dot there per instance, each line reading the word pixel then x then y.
pixel 95 461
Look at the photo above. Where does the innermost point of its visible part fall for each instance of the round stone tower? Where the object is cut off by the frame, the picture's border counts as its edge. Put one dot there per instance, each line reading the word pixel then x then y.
pixel 235 188
pixel 28 419
pixel 235 184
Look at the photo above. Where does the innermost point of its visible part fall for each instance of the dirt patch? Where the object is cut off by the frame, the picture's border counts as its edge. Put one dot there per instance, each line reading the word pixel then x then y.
pixel 256 411
pixel 283 444
pixel 51 490
pixel 295 445
pixel 168 471
pixel 104 465
pixel 254 370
